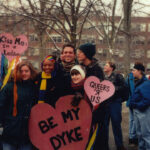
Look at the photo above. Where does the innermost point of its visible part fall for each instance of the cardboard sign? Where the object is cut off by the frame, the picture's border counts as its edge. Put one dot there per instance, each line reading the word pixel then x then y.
pixel 63 128
pixel 12 47
pixel 98 91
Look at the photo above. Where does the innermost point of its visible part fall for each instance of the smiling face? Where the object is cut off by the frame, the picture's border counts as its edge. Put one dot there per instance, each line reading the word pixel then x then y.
pixel 25 73
pixel 76 76
pixel 68 54
pixel 48 66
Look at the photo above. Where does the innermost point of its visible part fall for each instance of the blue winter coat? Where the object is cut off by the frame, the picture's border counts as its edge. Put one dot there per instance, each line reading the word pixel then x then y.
pixel 141 96
pixel 130 82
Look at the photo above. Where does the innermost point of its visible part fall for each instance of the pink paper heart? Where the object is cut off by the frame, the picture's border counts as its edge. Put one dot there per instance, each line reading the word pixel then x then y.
pixel 12 47
pixel 98 91
pixel 63 128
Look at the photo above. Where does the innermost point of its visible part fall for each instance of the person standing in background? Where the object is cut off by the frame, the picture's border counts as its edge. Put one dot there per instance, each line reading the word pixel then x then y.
pixel 132 129
pixel 140 103
pixel 114 108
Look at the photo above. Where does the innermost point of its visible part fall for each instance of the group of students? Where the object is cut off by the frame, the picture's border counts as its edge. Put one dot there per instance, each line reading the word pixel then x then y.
pixel 26 88
pixel 60 77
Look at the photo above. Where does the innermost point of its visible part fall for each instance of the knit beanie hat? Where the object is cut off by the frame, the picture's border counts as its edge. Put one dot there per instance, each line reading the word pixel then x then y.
pixel 80 69
pixel 139 66
pixel 88 49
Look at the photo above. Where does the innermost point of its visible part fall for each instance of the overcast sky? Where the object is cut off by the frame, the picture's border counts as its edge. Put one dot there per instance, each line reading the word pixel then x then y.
pixel 119 7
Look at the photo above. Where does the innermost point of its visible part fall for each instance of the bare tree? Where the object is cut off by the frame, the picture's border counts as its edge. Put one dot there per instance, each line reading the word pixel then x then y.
pixel 109 23
pixel 64 17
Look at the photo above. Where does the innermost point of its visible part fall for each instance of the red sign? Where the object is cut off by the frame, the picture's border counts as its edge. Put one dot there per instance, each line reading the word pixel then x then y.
pixel 98 91
pixel 63 128
pixel 12 47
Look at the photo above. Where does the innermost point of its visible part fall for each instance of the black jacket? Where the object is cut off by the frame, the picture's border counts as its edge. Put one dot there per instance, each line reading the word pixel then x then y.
pixel 94 69
pixel 119 83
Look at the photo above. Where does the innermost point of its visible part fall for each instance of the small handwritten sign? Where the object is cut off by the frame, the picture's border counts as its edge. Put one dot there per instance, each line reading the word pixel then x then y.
pixel 63 128
pixel 12 47
pixel 98 91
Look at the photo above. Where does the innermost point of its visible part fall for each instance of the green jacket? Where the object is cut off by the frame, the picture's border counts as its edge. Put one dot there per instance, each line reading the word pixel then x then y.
pixel 16 128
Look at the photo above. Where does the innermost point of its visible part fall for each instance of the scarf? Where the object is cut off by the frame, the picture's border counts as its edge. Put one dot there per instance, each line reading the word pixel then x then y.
pixel 68 66
pixel 43 86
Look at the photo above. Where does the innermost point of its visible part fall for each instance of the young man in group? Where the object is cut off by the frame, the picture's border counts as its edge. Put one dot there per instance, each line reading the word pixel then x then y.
pixel 114 107
pixel 85 56
pixel 67 61
pixel 140 103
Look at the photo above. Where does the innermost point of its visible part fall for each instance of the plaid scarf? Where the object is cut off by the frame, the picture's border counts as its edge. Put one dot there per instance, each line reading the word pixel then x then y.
pixel 43 86
pixel 68 66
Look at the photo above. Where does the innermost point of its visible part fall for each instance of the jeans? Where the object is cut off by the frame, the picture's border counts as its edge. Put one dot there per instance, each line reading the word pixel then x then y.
pixel 7 146
pixel 132 128
pixel 114 113
pixel 142 120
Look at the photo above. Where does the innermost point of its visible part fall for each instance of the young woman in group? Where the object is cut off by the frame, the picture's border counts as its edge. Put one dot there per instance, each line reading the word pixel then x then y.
pixel 16 101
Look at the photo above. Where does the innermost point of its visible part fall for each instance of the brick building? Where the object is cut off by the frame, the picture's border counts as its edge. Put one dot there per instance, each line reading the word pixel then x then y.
pixel 140 43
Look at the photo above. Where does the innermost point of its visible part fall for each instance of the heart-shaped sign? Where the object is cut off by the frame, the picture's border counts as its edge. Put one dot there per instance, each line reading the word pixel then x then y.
pixel 98 91
pixel 12 47
pixel 63 128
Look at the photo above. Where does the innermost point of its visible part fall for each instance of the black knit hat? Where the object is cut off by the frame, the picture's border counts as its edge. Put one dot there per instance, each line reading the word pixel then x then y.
pixel 88 49
pixel 139 66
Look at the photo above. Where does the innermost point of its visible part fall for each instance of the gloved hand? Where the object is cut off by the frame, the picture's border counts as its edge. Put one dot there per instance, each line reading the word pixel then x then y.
pixel 76 99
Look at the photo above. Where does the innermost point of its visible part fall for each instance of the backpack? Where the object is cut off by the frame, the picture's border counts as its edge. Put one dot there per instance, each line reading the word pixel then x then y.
pixel 125 91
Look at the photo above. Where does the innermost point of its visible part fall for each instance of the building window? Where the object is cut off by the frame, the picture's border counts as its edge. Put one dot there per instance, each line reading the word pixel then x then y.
pixel 56 39
pixel 137 53
pixel 131 65
pixel 148 27
pixel 33 52
pixel 148 53
pixel 33 38
pixel 138 27
pixel 148 66
pixel 138 40
pixel 120 40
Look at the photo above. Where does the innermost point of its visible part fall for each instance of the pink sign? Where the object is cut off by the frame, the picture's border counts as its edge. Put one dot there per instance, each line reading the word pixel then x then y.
pixel 63 128
pixel 98 91
pixel 12 47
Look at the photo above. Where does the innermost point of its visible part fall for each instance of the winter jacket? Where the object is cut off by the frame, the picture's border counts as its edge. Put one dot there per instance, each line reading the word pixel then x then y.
pixel 64 81
pixel 94 69
pixel 16 127
pixel 141 97
pixel 52 92
pixel 130 82
pixel 119 83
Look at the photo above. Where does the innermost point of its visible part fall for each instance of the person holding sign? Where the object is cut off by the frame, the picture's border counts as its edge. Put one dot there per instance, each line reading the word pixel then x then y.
pixel 115 104
pixel 78 78
pixel 47 81
pixel 16 101
pixel 85 56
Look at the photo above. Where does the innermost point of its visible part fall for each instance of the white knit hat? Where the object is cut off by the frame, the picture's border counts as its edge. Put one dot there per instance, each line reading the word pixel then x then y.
pixel 80 69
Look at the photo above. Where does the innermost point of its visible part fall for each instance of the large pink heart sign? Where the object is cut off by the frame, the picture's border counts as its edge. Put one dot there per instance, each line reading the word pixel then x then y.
pixel 62 128
pixel 12 47
pixel 98 91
